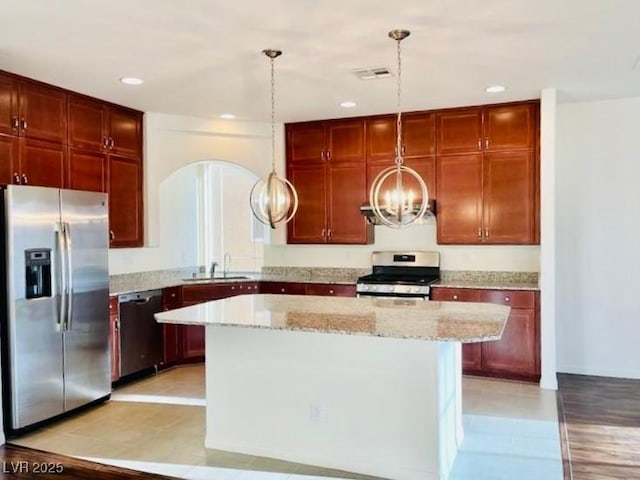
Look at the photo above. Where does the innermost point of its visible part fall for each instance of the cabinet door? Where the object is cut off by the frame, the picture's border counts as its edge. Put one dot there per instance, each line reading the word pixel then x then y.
pixel 9 164
pixel 125 202
pixel 192 294
pixel 42 163
pixel 424 166
pixel 125 130
pixel 510 127
pixel 509 198
pixel 192 341
pixel 515 353
pixel 459 208
pixel 459 131
pixel 310 222
pixel 305 142
pixel 172 343
pixel 471 357
pixel 43 112
pixel 87 124
pixel 171 298
pixel 381 138
pixel 347 192
pixel 418 134
pixel 345 141
pixel 87 170
pixel 8 104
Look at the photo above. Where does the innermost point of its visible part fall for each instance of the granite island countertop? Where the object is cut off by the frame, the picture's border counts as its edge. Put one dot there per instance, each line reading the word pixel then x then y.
pixel 394 318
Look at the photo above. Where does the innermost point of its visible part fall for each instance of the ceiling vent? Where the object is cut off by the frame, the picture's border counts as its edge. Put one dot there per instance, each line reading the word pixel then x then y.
pixel 372 73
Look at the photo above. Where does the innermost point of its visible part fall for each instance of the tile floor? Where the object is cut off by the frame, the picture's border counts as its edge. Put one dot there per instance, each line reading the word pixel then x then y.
pixel 511 431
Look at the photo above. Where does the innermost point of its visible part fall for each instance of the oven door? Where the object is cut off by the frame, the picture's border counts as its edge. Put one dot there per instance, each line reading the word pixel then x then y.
pixel 413 296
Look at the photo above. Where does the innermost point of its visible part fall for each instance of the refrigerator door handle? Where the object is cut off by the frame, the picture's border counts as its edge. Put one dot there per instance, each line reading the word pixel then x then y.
pixel 67 237
pixel 60 241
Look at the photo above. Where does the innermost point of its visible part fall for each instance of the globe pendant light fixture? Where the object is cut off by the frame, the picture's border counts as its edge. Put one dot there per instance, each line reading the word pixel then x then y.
pixel 392 203
pixel 274 200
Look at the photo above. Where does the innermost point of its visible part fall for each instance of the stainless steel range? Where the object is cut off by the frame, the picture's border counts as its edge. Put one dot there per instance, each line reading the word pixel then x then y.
pixel 401 274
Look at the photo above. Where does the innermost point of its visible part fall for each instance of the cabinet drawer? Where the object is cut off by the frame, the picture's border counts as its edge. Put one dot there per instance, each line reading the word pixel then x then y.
pixel 511 298
pixel 171 298
pixel 113 306
pixel 286 288
pixel 201 293
pixel 327 289
pixel 446 294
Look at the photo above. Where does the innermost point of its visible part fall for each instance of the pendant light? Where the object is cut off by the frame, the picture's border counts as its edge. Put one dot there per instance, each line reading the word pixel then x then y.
pixel 274 200
pixel 392 203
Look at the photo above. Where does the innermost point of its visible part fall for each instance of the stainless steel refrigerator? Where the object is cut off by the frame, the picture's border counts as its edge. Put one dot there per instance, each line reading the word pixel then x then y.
pixel 55 296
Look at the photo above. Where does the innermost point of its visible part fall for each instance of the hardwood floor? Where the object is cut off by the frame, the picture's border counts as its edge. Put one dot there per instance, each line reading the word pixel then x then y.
pixel 600 422
pixel 27 463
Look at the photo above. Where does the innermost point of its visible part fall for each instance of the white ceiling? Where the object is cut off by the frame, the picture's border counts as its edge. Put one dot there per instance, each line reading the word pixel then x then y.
pixel 203 57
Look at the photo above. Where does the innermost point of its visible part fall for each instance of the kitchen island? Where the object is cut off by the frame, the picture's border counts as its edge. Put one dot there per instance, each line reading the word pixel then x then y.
pixel 365 385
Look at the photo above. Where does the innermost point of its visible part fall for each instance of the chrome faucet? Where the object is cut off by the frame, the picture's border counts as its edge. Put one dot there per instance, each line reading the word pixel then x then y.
pixel 212 271
pixel 226 261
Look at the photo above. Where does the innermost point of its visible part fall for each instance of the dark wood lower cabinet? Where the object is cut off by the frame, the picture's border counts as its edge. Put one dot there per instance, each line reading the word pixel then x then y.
pixel 192 342
pixel 517 354
pixel 114 339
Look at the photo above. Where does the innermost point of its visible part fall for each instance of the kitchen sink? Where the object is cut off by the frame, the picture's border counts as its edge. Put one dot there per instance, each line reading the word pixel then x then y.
pixel 215 278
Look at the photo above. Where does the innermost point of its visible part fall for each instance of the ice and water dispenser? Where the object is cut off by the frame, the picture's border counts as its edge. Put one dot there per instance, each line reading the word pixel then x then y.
pixel 38 272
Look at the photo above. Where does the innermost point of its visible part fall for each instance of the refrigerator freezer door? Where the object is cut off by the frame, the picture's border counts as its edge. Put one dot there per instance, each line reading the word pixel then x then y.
pixel 87 368
pixel 34 333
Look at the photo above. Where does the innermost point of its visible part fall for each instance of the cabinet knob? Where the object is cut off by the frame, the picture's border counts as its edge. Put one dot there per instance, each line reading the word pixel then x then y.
pixel 331 292
pixel 15 123
pixel 328 155
pixel 455 297
pixel 111 143
pixel 25 180
pixel 479 144
pixel 486 142
pixel 16 178
pixel 329 233
pixel 112 236
pixel 23 122
pixel 233 288
pixel 480 233
pixel 507 299
pixel 282 290
pixel 486 233
pixel 240 287
pixel 173 295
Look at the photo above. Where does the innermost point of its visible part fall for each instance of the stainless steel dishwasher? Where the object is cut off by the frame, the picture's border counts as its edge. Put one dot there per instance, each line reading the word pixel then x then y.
pixel 140 334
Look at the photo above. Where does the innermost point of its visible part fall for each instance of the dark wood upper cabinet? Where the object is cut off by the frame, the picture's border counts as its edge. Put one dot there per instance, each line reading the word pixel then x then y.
pixel 345 141
pixel 87 124
pixel 424 166
pixel 329 174
pixel 43 112
pixel 9 121
pixel 125 132
pixel 309 224
pixel 42 163
pixel 305 142
pixel 459 131
pixel 459 208
pixel 87 170
pixel 510 127
pixel 509 198
pixel 9 158
pixel 418 136
pixel 125 202
pixel 347 192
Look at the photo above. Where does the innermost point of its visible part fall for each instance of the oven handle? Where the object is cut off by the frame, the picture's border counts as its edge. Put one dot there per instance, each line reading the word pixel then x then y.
pixel 414 296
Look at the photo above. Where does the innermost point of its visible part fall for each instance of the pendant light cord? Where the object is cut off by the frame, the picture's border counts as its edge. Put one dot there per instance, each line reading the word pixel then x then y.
pixel 399 159
pixel 273 117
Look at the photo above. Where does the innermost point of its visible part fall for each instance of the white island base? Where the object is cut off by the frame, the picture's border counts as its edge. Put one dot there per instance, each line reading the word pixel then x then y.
pixel 385 407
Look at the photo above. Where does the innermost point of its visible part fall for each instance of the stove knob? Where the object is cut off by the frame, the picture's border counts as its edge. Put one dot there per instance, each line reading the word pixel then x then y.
pixel 374 287
pixel 364 288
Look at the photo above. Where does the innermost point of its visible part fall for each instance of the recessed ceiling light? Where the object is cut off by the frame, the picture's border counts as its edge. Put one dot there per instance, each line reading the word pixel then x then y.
pixel 131 81
pixel 348 104
pixel 227 116
pixel 495 89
